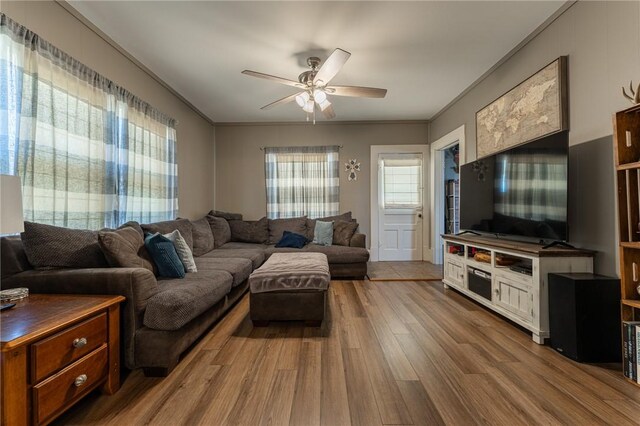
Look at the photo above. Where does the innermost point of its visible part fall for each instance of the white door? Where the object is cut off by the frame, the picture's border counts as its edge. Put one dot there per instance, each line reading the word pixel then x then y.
pixel 400 185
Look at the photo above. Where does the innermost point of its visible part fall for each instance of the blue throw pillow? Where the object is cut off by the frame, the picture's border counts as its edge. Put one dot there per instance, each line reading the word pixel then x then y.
pixel 164 255
pixel 291 239
pixel 323 233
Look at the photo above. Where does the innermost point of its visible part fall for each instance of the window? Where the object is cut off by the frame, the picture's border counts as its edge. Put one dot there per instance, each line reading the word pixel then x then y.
pixel 402 181
pixel 89 153
pixel 302 181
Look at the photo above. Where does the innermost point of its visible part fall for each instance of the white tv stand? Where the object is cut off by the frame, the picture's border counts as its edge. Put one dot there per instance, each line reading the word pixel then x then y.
pixel 518 296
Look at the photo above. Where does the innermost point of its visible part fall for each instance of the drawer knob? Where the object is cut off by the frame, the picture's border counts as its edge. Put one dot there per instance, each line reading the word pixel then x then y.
pixel 78 343
pixel 80 380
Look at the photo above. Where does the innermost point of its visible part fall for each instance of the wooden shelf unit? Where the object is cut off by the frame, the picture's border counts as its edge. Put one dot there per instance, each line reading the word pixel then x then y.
pixel 519 296
pixel 626 150
pixel 632 303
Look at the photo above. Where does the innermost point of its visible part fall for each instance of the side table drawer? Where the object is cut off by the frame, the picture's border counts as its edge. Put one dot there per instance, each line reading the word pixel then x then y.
pixel 58 351
pixel 61 390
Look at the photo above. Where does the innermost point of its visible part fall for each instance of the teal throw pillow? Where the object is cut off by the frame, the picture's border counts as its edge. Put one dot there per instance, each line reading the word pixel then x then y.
pixel 323 233
pixel 164 255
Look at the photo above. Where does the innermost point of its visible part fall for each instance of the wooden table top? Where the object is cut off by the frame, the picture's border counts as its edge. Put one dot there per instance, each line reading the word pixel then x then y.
pixel 532 249
pixel 42 314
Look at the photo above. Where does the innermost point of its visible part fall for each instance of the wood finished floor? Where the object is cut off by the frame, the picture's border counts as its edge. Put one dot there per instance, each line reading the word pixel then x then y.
pixel 404 271
pixel 391 353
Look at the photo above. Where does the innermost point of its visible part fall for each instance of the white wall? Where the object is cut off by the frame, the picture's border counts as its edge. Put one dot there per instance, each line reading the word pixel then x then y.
pixel 602 40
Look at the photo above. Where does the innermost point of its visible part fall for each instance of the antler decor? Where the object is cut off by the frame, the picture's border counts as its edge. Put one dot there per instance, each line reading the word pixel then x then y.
pixel 635 96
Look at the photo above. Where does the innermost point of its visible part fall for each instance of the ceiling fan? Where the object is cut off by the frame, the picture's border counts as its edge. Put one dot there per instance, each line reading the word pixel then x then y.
pixel 314 85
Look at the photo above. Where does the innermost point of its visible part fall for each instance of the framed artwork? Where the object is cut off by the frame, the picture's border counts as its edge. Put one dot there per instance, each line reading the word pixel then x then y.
pixel 535 108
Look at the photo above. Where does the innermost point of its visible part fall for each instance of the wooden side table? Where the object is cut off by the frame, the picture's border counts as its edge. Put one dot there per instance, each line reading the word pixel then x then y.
pixel 55 350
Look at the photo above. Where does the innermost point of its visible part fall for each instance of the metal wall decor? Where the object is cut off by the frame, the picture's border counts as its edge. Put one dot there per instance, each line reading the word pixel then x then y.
pixel 352 167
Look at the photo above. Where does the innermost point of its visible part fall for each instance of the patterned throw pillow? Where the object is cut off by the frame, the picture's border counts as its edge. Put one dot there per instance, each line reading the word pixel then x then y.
pixel 343 231
pixel 48 246
pixel 323 234
pixel 164 256
pixel 245 231
pixel 124 248
pixel 182 248
pixel 291 239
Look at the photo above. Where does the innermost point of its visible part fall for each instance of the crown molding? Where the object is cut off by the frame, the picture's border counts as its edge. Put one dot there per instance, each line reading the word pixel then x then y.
pixel 80 17
pixel 319 123
pixel 508 56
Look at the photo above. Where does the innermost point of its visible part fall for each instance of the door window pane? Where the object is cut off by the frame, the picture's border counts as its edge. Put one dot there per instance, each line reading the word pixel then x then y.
pixel 402 181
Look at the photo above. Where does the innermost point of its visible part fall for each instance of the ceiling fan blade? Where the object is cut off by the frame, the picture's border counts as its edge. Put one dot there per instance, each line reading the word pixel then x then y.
pixel 329 113
pixel 356 91
pixel 284 100
pixel 273 78
pixel 331 67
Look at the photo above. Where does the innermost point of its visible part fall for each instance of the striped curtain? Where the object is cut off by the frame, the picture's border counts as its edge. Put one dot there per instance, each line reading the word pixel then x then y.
pixel 302 181
pixel 531 185
pixel 89 153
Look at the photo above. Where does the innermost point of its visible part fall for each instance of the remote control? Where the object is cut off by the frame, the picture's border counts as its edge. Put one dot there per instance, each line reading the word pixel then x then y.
pixel 7 306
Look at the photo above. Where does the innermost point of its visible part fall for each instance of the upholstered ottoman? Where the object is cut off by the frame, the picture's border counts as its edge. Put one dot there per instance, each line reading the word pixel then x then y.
pixel 290 287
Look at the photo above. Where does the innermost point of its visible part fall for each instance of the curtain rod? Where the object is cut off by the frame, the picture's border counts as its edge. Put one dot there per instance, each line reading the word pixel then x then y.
pixel 263 147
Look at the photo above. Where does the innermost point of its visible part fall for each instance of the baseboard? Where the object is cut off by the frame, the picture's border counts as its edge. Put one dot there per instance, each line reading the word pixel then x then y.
pixel 427 254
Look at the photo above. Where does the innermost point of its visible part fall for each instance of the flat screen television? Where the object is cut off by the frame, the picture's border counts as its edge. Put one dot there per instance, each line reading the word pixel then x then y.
pixel 520 192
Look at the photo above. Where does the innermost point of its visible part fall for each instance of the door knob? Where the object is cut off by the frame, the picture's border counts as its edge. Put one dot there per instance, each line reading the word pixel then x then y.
pixel 419 214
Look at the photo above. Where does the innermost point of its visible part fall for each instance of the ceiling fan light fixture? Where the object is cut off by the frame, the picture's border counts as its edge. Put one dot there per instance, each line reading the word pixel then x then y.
pixel 309 106
pixel 319 96
pixel 302 99
pixel 325 104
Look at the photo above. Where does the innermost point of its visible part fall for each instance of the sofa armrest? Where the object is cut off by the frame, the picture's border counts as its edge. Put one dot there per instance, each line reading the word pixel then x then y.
pixel 137 285
pixel 358 240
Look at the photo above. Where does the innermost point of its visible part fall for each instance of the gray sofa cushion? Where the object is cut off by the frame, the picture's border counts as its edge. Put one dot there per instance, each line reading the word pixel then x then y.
pixel 335 254
pixel 235 245
pixel 14 259
pixel 256 256
pixel 239 268
pixel 278 226
pixel 124 248
pixel 220 230
pixel 131 224
pixel 226 215
pixel 254 231
pixel 48 246
pixel 311 223
pixel 168 226
pixel 181 300
pixel 203 241
pixel 343 231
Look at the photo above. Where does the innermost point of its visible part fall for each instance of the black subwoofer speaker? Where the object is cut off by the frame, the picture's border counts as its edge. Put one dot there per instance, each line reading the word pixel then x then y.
pixel 584 316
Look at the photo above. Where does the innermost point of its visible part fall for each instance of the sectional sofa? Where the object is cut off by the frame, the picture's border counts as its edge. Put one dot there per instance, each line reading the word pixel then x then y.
pixel 161 317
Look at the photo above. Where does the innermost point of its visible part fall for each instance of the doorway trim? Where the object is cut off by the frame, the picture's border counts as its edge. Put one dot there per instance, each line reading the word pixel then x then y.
pixel 436 210
pixel 376 150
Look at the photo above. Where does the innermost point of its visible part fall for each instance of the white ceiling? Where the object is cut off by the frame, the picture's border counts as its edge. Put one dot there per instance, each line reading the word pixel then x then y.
pixel 424 53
